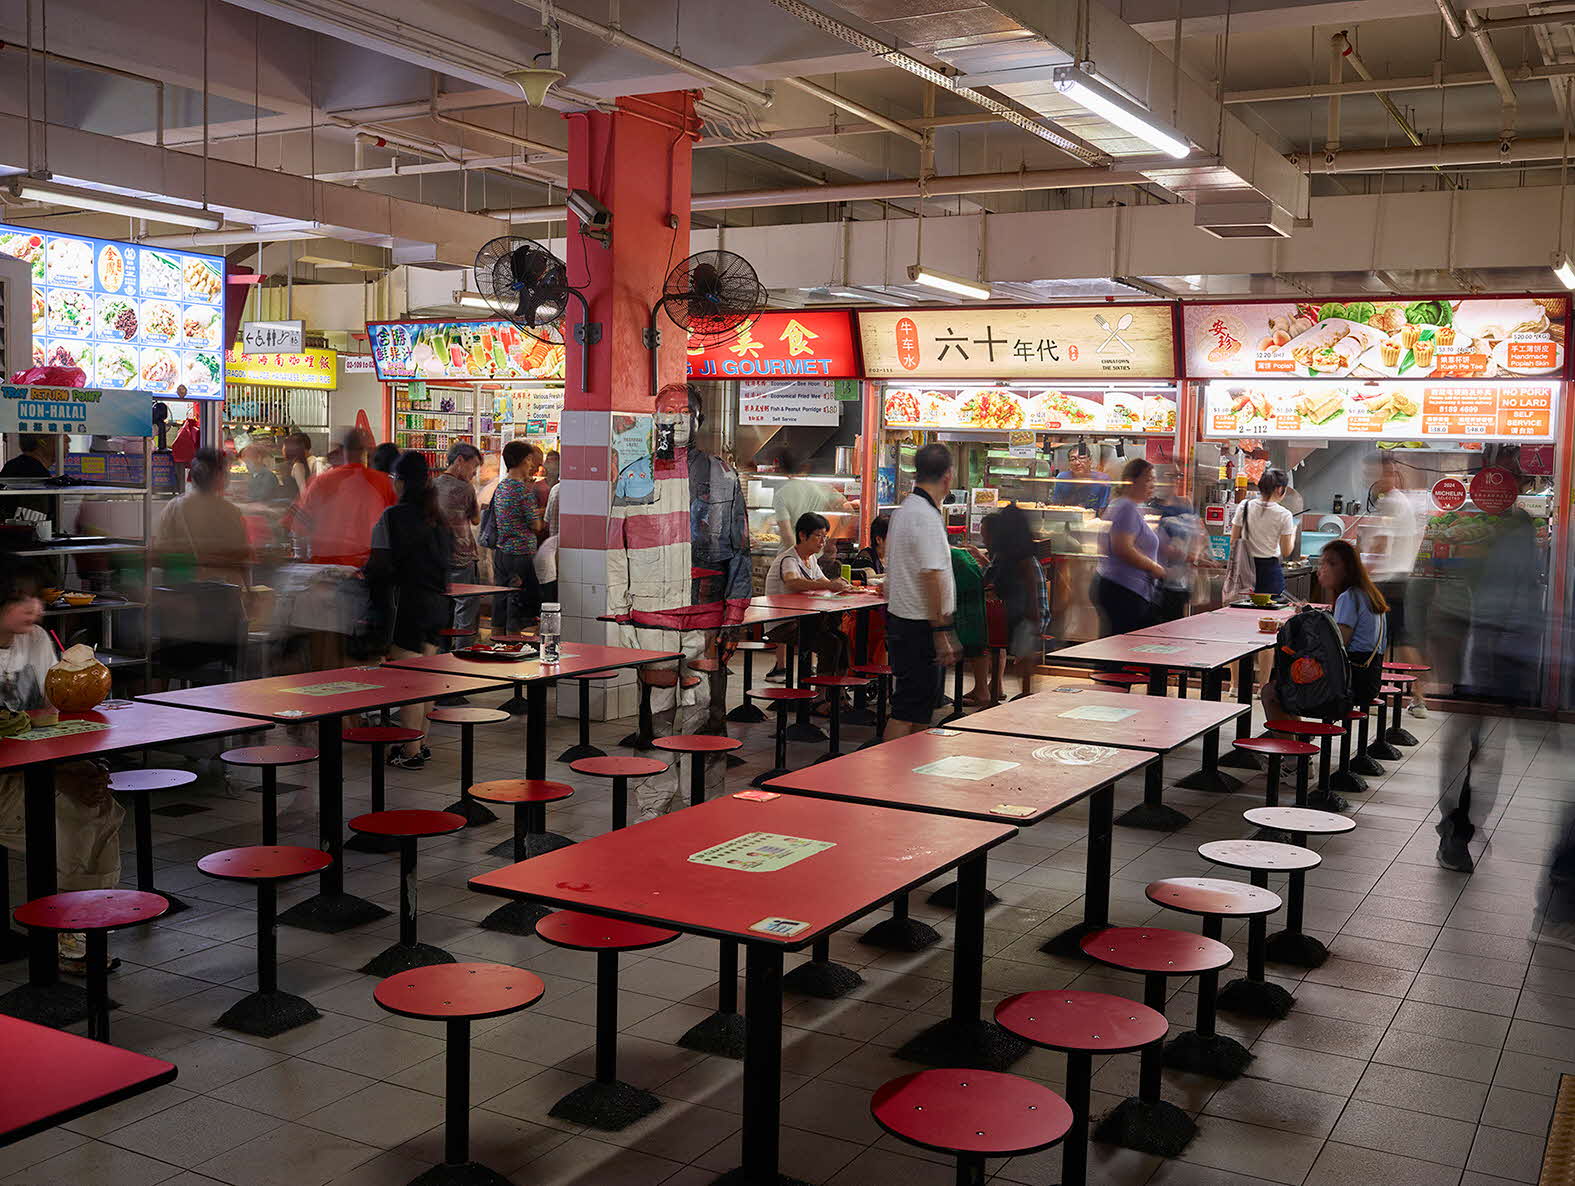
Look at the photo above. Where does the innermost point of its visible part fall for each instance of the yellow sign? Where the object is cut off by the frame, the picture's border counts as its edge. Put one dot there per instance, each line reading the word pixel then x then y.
pixel 307 368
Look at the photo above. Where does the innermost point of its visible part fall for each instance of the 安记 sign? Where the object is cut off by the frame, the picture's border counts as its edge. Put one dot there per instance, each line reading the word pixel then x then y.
pixel 310 367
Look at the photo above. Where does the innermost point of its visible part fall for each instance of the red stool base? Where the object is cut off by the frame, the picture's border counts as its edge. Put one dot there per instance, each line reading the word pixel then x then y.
pixel 610 1107
pixel 471 1173
pixel 268 1014
pixel 1159 1128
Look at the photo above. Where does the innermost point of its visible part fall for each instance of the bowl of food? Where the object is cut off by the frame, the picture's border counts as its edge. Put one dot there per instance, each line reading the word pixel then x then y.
pixel 49 595
pixel 79 599
pixel 1268 625
pixel 1262 600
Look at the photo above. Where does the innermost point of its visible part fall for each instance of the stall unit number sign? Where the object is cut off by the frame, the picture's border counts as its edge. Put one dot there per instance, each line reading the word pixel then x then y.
pixel 760 852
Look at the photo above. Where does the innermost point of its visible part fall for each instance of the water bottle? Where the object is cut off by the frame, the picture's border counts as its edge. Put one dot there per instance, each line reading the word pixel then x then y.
pixel 551 627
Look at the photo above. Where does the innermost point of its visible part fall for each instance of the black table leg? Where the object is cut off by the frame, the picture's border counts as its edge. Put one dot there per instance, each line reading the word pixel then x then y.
pixel 331 910
pixel 1158 680
pixel 779 767
pixel 1239 759
pixel 1210 777
pixel 620 803
pixel 1096 878
pixel 536 729
pixel 804 729
pixel 747 713
pixel 1152 813
pixel 965 1039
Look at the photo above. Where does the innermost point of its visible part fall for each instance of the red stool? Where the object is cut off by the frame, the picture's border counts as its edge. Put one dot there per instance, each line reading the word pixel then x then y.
pixel 378 737
pixel 620 770
pixel 267 1012
pixel 835 685
pixel 1276 749
pixel 1345 780
pixel 747 713
pixel 467 719
pixel 530 797
pixel 457 994
pixel 1253 995
pixel 95 913
pixel 269 758
pixel 880 674
pixel 649 677
pixel 1324 798
pixel 697 746
pixel 1396 684
pixel 1123 681
pixel 604 1102
pixel 784 699
pixel 141 783
pixel 1080 1025
pixel 1145 1122
pixel 1203 1050
pixel 407 827
pixel 1291 946
pixel 583 748
pixel 971 1115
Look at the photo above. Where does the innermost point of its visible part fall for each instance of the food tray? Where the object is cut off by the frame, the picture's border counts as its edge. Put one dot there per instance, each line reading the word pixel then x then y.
pixel 498 654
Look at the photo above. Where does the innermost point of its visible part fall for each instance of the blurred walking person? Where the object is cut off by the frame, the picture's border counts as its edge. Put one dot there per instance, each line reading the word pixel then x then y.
pixel 1128 563
pixel 921 599
pixel 456 499
pixel 517 524
pixel 1393 539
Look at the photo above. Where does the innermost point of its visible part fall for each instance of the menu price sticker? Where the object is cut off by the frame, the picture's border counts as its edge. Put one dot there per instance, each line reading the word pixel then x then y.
pixel 1531 355
pixel 1275 366
pixel 1356 422
pixel 1226 424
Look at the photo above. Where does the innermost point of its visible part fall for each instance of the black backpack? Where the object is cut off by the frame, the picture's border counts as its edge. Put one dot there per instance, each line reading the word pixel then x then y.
pixel 1312 675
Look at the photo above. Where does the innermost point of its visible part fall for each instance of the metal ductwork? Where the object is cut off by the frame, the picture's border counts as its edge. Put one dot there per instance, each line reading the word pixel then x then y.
pixel 1258 218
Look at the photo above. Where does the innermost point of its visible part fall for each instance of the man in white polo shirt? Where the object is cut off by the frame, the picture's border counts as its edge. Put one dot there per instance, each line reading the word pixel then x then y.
pixel 921 596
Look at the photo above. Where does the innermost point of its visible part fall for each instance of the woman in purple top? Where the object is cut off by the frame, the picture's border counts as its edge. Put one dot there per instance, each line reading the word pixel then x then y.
pixel 1128 564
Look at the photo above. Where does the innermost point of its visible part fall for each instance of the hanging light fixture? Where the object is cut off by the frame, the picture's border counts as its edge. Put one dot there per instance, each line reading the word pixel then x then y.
pixel 945 282
pixel 32 189
pixel 1078 84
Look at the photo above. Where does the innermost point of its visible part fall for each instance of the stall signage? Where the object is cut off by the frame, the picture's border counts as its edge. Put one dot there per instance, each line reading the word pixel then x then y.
pixel 1449 494
pixel 87 410
pixel 534 411
pixel 1130 413
pixel 1380 411
pixel 357 364
pixel 1059 342
pixel 128 316
pixel 1494 490
pixel 310 367
pixel 1468 338
pixel 797 401
pixel 273 337
pixel 813 344
pixel 464 351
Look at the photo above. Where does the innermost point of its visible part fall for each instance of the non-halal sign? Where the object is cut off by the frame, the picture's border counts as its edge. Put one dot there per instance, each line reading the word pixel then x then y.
pixel 803 344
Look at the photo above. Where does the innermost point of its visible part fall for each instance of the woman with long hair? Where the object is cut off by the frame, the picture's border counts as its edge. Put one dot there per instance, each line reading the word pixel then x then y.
pixel 1267 530
pixel 1020 584
pixel 1359 610
pixel 1128 564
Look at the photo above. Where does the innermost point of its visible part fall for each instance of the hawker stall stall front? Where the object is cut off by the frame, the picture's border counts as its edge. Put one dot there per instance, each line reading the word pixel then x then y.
pixel 1424 431
pixel 482 382
pixel 1041 407
pixel 779 414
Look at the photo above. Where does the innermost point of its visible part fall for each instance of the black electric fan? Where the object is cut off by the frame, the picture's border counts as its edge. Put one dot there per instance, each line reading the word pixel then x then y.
pixel 528 285
pixel 713 295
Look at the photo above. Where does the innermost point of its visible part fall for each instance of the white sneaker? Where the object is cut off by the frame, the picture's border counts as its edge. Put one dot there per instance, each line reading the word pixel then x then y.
pixel 1419 711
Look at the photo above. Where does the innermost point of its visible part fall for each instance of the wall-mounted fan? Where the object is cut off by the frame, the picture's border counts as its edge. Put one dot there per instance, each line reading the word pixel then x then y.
pixel 713 296
pixel 529 285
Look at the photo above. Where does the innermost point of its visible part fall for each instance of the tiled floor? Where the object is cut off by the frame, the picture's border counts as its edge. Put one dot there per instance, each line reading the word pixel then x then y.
pixel 1426 1052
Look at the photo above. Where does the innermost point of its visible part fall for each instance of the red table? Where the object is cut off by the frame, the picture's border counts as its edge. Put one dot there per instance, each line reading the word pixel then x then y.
pixel 648 873
pixel 462 590
pixel 1042 779
pixel 1154 724
pixel 575 658
pixel 303 697
pixel 128 726
pixel 52 1076
pixel 861 605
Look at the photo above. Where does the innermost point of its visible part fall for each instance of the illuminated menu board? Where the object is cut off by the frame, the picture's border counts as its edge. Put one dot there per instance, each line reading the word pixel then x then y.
pixel 464 350
pixel 1003 409
pixel 1381 411
pixel 130 317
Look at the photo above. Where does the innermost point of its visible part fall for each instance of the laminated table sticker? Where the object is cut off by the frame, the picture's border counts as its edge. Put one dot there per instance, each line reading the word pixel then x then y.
pixel 760 852
pixel 780 928
pixel 1012 810
pixel 1075 755
pixel 63 729
pixel 1156 648
pixel 337 688
pixel 1098 712
pixel 963 766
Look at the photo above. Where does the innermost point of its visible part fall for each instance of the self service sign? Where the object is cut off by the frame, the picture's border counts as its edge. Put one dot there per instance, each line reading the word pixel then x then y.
pixel 795 344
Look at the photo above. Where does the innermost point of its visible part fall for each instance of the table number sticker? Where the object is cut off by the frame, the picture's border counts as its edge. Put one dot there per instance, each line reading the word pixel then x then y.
pixel 63 729
pixel 760 852
pixel 963 766
pixel 1075 755
pixel 336 688
pixel 757 796
pixel 779 928
pixel 1068 690
pixel 942 732
pixel 1156 648
pixel 1014 810
pixel 1099 712
pixel 291 712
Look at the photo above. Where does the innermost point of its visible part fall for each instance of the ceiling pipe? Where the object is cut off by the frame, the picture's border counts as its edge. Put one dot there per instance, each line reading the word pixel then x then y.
pixel 1446 9
pixel 622 40
pixel 1406 129
pixel 1558 16
pixel 854 107
pixel 1418 82
pixel 1444 156
pixel 449 121
pixel 1331 139
pixel 1508 103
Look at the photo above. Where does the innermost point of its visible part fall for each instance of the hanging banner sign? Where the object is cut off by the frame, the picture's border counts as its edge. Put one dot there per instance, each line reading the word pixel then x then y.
pixel 1379 411
pixel 311 367
pixel 464 350
pixel 87 410
pixel 808 343
pixel 1059 342
pixel 800 401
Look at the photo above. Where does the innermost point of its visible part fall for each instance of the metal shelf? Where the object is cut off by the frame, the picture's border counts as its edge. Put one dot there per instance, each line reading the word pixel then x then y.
pixel 82 549
pixel 69 491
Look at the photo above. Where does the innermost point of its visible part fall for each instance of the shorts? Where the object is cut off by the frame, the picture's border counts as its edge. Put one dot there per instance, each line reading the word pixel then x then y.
pixel 1268 575
pixel 916 676
pixel 1394 593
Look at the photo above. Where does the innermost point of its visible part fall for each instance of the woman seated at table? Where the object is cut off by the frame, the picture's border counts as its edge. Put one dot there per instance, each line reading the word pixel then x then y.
pixel 796 570
pixel 87 818
pixel 407 576
pixel 1359 610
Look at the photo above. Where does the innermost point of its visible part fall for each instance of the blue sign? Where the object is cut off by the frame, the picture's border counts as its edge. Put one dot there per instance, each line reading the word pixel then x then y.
pixel 88 410
pixel 139 318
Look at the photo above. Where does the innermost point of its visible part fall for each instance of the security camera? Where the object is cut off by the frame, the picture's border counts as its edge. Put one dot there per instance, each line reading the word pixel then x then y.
pixel 594 217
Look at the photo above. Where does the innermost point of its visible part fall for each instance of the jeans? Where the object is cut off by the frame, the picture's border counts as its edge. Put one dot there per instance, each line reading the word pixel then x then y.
pixel 467 610
pixel 512 610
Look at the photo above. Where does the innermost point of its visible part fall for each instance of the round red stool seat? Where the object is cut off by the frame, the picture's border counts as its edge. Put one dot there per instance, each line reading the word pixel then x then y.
pixel 873 670
pixel 151 780
pixel 1212 896
pixel 264 862
pixel 697 743
pixel 1416 667
pixel 521 790
pixel 585 675
pixel 1356 714
pixel 590 932
pixel 1095 1022
pixel 1305 728
pixel 666 678
pixel 1282 747
pixel 1156 951
pixel 1399 680
pixel 837 681
pixel 614 766
pixel 452 991
pixel 1302 820
pixel 1264 855
pixel 407 823
pixel 788 694
pixel 91 910
pixel 382 735
pixel 468 716
pixel 1128 679
pixel 706 665
pixel 269 755
pixel 985 1113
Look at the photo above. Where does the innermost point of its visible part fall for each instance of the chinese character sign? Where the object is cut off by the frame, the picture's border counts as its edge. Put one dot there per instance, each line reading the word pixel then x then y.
pixel 1062 342
pixel 311 368
pixel 798 344
pixel 272 337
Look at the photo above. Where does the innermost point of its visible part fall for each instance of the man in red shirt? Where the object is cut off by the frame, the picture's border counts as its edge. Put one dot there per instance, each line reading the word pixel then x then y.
pixel 337 511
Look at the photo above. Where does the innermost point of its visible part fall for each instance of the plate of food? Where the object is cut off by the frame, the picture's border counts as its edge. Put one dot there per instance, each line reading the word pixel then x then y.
pixel 158 274
pixel 498 652
pixel 202 280
pixel 1249 407
pixel 901 407
pixel 992 408
pixel 1123 412
pixel 160 370
pixel 1057 409
pixel 202 325
pixel 1331 347
pixel 111 268
pixel 160 322
pixel 1320 409
pixel 40 313
pixel 1159 414
pixel 117 319
pixel 1387 406
pixel 26 247
pixel 116 365
pixel 70 353
pixel 70 312
pixel 201 374
pixel 70 262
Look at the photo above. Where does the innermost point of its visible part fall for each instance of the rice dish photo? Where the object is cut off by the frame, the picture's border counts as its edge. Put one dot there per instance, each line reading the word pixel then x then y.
pixel 160 322
pixel 70 312
pixel 160 370
pixel 70 261
pixel 116 366
pixel 158 274
pixel 201 325
pixel 202 373
pixel 901 407
pixel 117 319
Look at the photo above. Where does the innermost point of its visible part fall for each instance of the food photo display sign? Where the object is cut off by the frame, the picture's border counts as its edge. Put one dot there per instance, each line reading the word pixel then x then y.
pixel 1021 407
pixel 1373 410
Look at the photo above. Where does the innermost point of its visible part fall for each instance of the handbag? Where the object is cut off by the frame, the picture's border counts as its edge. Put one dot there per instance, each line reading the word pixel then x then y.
pixel 487 534
pixel 1241 575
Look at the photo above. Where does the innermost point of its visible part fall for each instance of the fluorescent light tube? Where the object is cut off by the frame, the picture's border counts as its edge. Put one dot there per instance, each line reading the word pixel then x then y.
pixel 472 300
pixel 1109 104
pixel 955 285
pixel 857 294
pixel 1563 270
pixel 31 189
